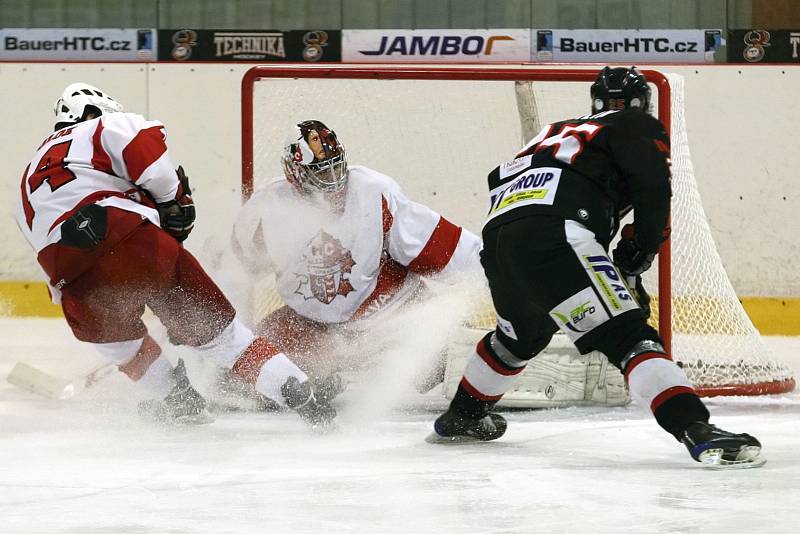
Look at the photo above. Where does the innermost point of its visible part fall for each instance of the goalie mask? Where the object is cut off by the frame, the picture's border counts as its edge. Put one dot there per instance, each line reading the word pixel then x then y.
pixel 314 159
pixel 80 99
pixel 620 88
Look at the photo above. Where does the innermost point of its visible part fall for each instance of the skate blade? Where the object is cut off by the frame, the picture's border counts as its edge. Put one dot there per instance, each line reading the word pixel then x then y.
pixel 748 458
pixel 438 439
pixel 204 418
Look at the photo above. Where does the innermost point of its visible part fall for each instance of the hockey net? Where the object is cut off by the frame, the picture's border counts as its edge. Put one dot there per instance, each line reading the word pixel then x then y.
pixel 439 130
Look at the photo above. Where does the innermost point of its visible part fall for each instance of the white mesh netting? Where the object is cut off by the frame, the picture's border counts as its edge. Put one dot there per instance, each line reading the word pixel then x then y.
pixel 438 139
pixel 712 335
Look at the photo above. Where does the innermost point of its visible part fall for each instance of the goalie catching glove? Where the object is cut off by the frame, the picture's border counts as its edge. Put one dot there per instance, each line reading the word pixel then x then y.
pixel 177 216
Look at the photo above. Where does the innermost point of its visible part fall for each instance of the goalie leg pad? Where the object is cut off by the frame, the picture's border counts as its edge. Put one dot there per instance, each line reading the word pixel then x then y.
pixel 559 376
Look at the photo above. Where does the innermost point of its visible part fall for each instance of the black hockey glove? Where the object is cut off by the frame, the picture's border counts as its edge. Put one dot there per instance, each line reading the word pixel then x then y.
pixel 628 255
pixel 177 216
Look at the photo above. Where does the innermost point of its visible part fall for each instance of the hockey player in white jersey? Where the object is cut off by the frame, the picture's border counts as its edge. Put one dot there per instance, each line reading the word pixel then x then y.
pixel 356 245
pixel 348 248
pixel 106 213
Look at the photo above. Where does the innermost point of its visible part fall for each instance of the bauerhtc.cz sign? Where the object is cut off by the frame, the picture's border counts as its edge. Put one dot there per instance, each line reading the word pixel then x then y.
pixel 625 46
pixel 77 44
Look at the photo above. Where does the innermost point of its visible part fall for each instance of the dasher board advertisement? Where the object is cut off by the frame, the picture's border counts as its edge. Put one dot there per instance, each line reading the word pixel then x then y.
pixel 249 45
pixel 764 46
pixel 436 46
pixel 625 46
pixel 78 44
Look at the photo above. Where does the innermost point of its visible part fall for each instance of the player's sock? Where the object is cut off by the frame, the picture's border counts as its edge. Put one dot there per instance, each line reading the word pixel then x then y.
pixel 147 367
pixel 718 448
pixel 276 376
pixel 488 375
pixel 490 372
pixel 655 381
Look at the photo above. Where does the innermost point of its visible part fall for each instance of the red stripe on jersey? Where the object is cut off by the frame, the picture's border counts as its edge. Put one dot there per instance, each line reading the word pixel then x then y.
pixel 90 199
pixel 473 392
pixel 26 203
pixel 388 218
pixel 643 357
pixel 100 159
pixel 148 352
pixel 143 151
pixel 668 393
pixel 391 277
pixel 249 364
pixel 438 250
pixel 486 355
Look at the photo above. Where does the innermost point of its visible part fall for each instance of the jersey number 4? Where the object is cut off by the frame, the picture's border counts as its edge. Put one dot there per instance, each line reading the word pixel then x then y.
pixel 51 169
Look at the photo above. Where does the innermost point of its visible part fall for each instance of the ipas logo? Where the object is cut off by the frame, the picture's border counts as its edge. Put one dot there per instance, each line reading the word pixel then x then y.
pixel 613 288
pixel 437 45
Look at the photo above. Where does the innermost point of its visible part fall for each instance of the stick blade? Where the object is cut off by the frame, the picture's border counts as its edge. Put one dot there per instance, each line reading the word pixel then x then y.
pixel 31 379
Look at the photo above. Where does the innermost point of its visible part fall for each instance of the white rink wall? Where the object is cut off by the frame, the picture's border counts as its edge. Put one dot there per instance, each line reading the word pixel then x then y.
pixel 741 123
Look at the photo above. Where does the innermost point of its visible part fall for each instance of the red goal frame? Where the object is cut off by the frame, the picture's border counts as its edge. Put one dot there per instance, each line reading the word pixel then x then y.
pixel 477 74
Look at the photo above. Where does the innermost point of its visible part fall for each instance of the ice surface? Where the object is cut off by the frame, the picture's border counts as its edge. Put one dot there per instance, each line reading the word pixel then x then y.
pixel 90 465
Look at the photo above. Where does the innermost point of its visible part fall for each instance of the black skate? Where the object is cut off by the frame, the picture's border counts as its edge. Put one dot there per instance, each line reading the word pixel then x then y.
pixel 326 388
pixel 182 406
pixel 451 427
pixel 299 396
pixel 716 448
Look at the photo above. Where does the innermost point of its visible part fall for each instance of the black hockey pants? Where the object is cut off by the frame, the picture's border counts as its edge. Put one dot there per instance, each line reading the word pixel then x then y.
pixel 547 273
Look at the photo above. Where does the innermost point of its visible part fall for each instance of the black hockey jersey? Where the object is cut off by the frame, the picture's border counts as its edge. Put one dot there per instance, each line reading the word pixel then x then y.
pixel 594 170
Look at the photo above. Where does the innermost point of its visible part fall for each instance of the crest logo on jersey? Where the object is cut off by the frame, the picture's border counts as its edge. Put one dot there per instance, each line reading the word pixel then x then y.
pixel 329 266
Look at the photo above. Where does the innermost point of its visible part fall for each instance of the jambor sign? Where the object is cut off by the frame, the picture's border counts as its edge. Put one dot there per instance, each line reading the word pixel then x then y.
pixel 431 46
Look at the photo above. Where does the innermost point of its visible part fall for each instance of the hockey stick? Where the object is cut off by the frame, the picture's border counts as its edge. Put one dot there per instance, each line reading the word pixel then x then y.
pixel 36 381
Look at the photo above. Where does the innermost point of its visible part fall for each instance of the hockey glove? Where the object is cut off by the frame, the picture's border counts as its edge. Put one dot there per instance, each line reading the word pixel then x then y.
pixel 177 216
pixel 629 256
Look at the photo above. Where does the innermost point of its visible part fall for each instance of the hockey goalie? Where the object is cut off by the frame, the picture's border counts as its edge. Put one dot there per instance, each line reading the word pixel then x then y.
pixel 351 254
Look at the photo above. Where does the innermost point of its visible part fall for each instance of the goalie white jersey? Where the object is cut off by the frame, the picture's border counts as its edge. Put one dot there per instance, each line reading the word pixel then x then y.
pixel 333 265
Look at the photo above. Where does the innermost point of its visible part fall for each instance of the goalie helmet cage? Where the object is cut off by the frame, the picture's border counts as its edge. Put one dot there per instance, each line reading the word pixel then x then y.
pixel 708 332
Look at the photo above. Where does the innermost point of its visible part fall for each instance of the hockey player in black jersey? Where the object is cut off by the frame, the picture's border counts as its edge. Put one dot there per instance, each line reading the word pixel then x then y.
pixel 553 212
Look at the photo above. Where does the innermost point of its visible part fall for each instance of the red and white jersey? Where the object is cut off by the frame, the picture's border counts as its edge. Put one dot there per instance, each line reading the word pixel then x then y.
pixel 104 161
pixel 336 266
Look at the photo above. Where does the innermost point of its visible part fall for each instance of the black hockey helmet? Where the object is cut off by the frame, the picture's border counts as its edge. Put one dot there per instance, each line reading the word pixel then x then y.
pixel 620 88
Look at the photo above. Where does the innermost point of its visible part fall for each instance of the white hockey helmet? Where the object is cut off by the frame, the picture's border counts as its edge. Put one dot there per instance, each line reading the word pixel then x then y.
pixel 71 107
pixel 314 159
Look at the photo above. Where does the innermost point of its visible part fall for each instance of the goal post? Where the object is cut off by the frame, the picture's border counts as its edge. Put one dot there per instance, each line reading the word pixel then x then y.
pixel 424 106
